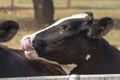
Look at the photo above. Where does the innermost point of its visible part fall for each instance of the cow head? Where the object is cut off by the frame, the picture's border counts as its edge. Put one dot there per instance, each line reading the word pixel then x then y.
pixel 7 30
pixel 67 40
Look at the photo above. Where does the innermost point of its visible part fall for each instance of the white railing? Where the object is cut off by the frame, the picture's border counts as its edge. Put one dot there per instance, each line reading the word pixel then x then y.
pixel 71 77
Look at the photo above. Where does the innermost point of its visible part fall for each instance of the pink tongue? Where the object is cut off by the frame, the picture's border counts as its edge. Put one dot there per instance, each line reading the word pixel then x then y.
pixel 25 43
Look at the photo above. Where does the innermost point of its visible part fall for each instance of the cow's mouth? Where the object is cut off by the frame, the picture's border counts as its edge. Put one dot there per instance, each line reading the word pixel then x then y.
pixel 26 44
pixel 29 50
pixel 33 52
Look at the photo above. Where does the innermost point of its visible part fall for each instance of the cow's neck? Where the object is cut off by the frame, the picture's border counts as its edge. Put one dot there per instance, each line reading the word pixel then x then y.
pixel 97 54
pixel 89 66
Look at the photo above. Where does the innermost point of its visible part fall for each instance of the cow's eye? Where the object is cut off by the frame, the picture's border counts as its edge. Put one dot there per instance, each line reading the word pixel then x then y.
pixel 64 27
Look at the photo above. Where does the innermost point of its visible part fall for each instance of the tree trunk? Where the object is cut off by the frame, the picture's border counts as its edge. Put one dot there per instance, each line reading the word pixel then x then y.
pixel 12 4
pixel 43 11
pixel 68 3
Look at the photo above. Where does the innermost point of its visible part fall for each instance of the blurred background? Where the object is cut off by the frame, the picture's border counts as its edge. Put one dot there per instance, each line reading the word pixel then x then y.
pixel 33 15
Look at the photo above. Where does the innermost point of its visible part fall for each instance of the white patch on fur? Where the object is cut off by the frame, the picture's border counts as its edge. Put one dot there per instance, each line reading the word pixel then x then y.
pixel 89 33
pixel 32 55
pixel 76 16
pixel 88 56
pixel 68 68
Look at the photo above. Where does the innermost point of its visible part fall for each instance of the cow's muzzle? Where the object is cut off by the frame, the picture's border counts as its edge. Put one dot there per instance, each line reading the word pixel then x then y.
pixel 29 50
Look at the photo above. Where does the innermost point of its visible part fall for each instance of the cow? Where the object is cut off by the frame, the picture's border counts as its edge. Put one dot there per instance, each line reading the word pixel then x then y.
pixel 13 62
pixel 78 40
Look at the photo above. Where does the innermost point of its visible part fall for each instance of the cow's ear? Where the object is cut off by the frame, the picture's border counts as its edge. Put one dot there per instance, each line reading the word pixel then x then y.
pixel 102 27
pixel 7 30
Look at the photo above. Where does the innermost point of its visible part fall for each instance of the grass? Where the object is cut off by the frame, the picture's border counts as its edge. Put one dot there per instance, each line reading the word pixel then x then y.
pixel 89 4
pixel 98 7
pixel 97 13
pixel 17 3
pixel 83 4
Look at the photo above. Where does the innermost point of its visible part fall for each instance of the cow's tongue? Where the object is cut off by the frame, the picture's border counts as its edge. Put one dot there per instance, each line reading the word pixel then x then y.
pixel 29 51
pixel 26 45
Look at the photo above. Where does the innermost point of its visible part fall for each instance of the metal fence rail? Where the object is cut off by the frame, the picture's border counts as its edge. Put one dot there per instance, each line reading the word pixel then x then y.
pixel 71 77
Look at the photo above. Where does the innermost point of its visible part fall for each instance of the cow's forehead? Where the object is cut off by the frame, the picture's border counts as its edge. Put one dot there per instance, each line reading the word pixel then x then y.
pixel 76 16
